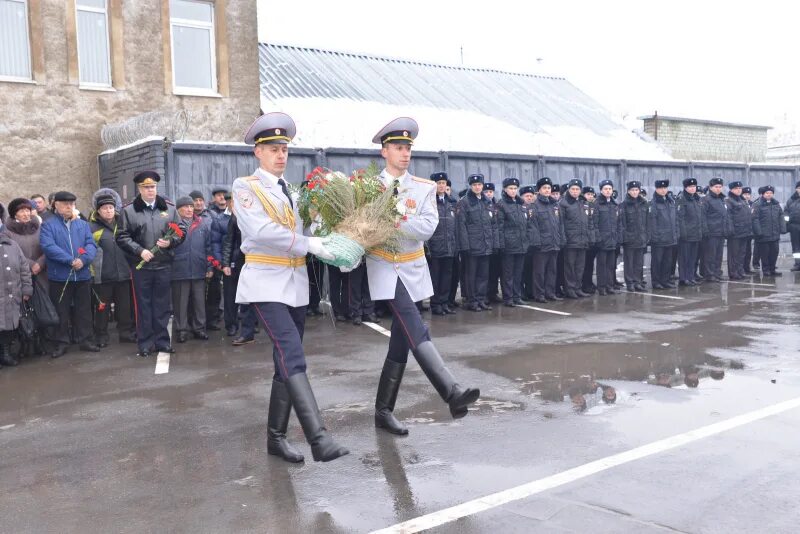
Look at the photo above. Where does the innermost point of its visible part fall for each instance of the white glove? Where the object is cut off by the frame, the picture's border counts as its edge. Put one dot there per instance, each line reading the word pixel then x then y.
pixel 350 267
pixel 316 247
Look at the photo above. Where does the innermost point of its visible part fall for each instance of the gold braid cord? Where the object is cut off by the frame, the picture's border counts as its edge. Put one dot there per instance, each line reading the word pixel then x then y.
pixel 287 220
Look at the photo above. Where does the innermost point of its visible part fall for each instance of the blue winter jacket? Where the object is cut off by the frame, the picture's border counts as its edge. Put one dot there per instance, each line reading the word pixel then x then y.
pixel 60 244
pixel 219 228
pixel 191 256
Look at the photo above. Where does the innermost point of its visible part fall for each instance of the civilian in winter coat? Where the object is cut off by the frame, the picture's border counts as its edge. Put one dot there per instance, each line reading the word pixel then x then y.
pixel 768 225
pixel 578 235
pixel 512 229
pixel 15 278
pixel 608 237
pixel 740 229
pixel 23 228
pixel 190 268
pixel 750 249
pixel 477 239
pixel 111 270
pixel 548 223
pixel 662 229
pixel 442 246
pixel 690 231
pixel 715 222
pixel 791 215
pixel 219 231
pixel 213 293
pixel 633 223
pixel 69 249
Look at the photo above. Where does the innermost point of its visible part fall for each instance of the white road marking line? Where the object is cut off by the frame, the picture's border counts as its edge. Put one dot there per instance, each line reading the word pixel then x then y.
pixel 378 328
pixel 651 294
pixel 524 491
pixel 162 363
pixel 747 283
pixel 543 310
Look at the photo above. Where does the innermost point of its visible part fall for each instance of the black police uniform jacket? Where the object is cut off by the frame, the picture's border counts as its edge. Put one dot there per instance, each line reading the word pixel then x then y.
pixel 690 217
pixel 578 226
pixel 534 239
pixel 548 222
pixel 608 223
pixel 662 222
pixel 740 221
pixel 715 215
pixel 142 227
pixel 512 225
pixel 442 243
pixel 633 222
pixel 768 222
pixel 475 226
pixel 792 210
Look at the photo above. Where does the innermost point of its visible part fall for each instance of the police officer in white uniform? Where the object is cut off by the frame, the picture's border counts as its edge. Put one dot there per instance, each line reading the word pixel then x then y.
pixel 274 280
pixel 402 278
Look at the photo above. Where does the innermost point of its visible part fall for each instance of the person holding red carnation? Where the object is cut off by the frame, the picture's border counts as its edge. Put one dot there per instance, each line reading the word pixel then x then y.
pixel 69 249
pixel 151 229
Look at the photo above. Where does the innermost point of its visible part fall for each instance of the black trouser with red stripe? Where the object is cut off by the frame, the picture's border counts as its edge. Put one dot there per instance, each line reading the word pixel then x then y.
pixel 408 328
pixel 285 326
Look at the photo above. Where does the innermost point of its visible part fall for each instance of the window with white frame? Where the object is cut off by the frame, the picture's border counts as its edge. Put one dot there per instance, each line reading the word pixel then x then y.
pixel 194 63
pixel 15 46
pixel 94 58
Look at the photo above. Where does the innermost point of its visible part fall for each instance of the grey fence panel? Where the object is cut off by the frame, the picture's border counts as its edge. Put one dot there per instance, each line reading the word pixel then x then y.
pixel 705 171
pixel 203 170
pixel 590 173
pixel 783 179
pixel 494 167
pixel 648 174
pixel 116 169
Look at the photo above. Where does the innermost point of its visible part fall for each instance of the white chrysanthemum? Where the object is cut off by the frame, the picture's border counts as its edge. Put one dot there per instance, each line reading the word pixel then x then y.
pixel 401 208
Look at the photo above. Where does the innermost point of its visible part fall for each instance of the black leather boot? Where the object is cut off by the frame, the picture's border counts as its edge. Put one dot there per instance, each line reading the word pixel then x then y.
pixel 6 358
pixel 280 408
pixel 443 380
pixel 388 386
pixel 323 448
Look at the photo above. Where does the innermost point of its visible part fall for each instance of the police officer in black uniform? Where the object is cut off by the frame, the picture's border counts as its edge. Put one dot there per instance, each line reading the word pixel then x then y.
pixel 528 195
pixel 690 231
pixel 715 222
pixel 751 249
pixel 608 228
pixel 144 225
pixel 578 235
pixel 633 223
pixel 512 229
pixel 587 284
pixel 662 228
pixel 442 246
pixel 495 268
pixel 477 239
pixel 791 214
pixel 548 223
pixel 740 229
pixel 768 225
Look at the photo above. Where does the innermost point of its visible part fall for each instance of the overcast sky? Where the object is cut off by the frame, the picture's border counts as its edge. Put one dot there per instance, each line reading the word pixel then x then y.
pixel 731 61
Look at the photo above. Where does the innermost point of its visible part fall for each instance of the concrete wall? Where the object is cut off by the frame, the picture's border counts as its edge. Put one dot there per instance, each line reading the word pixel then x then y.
pixel 50 129
pixel 697 140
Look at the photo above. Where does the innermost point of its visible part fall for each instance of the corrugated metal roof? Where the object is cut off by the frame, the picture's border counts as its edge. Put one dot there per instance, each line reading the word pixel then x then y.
pixel 535 105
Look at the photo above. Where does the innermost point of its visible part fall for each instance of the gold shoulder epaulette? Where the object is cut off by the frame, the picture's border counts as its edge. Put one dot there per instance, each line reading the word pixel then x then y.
pixel 250 178
pixel 423 180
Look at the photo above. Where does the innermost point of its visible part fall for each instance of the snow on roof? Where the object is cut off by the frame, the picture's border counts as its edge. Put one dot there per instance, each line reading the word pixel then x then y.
pixel 141 141
pixel 705 121
pixel 341 100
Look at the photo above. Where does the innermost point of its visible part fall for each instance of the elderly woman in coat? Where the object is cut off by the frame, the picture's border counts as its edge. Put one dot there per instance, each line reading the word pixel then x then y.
pixel 22 226
pixel 15 280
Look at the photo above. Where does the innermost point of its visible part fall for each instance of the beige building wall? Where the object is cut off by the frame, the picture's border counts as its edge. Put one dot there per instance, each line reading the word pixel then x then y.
pixel 50 129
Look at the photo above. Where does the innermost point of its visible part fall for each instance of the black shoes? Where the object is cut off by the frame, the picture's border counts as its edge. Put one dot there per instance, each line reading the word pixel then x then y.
pixel 357 320
pixel 6 359
pixel 182 337
pixel 213 327
pixel 448 310
pixel 280 408
pixel 200 335
pixel 388 386
pixel 168 349
pixel 230 331
pixel 540 300
pixel 58 351
pixel 484 306
pixel 570 294
pixel 323 448
pixel 438 311
pixel 370 318
pixel 457 397
pixel 242 340
pixel 554 297
pixel 89 347
pixel 602 291
pixel 144 353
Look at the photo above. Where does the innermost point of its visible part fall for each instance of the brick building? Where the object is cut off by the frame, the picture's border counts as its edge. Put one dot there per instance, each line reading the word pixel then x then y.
pixel 69 67
pixel 696 139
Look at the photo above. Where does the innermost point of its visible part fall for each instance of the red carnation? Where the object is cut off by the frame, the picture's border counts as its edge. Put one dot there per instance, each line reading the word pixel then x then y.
pixel 81 250
pixel 177 229
pixel 101 306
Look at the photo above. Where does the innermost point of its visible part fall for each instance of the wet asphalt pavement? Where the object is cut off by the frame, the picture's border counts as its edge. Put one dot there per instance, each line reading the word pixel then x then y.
pixel 99 443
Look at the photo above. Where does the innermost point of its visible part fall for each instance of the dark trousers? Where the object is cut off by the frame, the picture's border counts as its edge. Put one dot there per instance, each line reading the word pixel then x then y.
pixel 748 254
pixel 316 275
pixel 588 269
pixel 527 275
pixel 606 268
pixel 736 250
pixel 230 310
pixel 660 264
pixel 455 277
pixel 769 255
pixel 408 328
pixel 120 294
pixel 441 276
pixel 213 297
pixel 188 306
pixel 544 273
pixel 559 271
pixel 673 260
pixel 476 277
pixel 713 256
pixel 795 237
pixel 512 277
pixel 338 291
pixel 152 303
pixel 359 301
pixel 74 309
pixel 574 263
pixel 756 254
pixel 285 326
pixel 493 280
pixel 633 257
pixel 687 259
